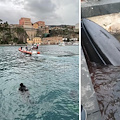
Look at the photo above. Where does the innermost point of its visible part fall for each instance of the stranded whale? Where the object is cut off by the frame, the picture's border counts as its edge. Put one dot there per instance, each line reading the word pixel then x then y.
pixel 99 45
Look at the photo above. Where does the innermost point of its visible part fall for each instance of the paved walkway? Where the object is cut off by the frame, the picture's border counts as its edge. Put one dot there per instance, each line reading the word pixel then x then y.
pixel 88 96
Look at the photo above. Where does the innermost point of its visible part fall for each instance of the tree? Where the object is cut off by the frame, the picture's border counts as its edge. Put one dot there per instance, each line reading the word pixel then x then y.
pixel 6 24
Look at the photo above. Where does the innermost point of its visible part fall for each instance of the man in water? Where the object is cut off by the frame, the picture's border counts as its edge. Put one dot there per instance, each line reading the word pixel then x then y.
pixel 22 88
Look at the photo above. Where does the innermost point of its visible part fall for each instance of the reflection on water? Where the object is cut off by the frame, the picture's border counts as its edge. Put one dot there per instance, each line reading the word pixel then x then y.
pixel 51 77
pixel 106 81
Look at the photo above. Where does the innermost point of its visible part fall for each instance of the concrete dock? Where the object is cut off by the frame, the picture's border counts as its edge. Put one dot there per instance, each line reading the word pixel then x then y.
pixel 91 8
pixel 88 96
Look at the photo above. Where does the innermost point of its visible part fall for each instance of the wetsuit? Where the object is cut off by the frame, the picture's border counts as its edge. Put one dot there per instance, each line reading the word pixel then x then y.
pixel 23 88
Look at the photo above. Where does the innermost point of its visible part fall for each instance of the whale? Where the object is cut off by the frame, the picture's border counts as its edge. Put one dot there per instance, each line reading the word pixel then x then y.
pixel 98 44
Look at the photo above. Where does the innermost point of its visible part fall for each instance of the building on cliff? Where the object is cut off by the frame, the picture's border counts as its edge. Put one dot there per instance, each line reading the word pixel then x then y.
pixel 25 22
pixel 35 40
pixel 52 40
pixel 27 25
pixel 40 26
pixel 35 26
pixel 45 41
pixel 35 29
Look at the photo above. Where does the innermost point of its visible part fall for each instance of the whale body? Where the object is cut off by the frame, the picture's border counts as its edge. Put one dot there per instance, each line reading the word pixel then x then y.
pixel 99 45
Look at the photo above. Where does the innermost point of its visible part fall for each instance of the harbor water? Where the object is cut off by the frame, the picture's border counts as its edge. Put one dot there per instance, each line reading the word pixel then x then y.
pixel 106 82
pixel 52 78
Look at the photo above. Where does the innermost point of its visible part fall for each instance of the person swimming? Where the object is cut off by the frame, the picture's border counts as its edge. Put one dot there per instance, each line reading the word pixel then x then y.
pixel 22 88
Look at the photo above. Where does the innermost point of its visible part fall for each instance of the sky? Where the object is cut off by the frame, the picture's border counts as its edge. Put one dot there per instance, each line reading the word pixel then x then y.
pixel 53 12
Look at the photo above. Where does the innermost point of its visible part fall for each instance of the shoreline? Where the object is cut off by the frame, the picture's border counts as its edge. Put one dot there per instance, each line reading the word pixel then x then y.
pixel 13 45
pixel 39 45
pixel 21 44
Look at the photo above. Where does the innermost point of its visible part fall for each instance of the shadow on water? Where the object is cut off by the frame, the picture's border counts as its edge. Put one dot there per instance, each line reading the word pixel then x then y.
pixel 106 81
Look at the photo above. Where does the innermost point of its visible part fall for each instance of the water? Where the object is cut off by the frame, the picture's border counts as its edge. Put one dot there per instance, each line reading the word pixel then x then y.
pixel 106 81
pixel 51 77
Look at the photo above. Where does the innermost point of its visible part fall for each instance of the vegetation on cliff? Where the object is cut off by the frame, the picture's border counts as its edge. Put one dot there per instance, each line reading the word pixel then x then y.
pixel 12 35
pixel 65 33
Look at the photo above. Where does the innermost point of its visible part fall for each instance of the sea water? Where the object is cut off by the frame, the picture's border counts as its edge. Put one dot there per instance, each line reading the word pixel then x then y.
pixel 51 77
pixel 106 82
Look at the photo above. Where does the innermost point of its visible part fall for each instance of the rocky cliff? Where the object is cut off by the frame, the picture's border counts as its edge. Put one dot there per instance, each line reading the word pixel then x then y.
pixel 12 35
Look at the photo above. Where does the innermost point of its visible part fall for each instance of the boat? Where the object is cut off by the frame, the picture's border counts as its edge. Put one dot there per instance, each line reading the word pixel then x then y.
pixel 61 44
pixel 30 52
pixel 98 45
pixel 35 47
pixel 76 43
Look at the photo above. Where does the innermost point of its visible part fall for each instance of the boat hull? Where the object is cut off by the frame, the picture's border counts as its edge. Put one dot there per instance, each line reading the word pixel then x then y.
pixel 26 52
pixel 98 45
pixel 29 52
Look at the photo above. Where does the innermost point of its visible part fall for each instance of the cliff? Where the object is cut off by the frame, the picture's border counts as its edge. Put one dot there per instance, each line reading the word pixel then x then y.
pixel 65 33
pixel 10 35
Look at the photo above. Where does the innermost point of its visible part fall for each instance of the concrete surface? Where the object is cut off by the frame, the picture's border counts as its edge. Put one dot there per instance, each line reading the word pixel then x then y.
pixel 88 96
pixel 90 8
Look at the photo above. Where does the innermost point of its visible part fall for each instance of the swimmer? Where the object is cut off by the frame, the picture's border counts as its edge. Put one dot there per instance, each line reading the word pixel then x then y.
pixel 22 88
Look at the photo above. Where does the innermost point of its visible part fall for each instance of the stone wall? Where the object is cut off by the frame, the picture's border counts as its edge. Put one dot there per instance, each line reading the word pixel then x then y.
pixel 109 22
pixel 31 33
pixel 90 8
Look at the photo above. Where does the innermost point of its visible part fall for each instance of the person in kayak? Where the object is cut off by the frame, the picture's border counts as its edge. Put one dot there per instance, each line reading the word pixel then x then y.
pixel 22 88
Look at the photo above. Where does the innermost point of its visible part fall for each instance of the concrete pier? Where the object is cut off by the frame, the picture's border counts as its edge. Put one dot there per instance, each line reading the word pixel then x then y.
pixel 92 8
pixel 88 96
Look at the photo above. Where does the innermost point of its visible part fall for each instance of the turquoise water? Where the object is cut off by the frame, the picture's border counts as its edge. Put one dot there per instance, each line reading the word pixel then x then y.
pixel 51 77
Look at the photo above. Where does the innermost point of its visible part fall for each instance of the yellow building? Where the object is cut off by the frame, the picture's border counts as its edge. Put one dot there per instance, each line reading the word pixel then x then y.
pixel 52 40
pixel 36 40
pixel 30 42
pixel 35 25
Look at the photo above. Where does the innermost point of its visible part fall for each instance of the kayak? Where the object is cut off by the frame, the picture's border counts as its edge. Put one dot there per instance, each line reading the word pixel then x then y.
pixel 28 52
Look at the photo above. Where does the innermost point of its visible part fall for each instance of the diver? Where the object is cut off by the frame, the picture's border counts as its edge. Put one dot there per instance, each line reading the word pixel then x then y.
pixel 22 88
